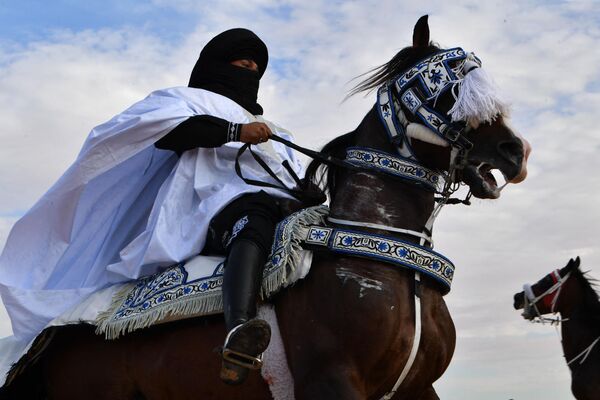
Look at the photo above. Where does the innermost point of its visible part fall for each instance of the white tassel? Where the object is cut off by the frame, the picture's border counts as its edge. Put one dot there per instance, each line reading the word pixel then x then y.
pixel 478 99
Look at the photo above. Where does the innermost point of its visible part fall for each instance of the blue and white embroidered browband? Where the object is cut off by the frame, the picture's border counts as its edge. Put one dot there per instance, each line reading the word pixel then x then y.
pixel 383 248
pixel 392 165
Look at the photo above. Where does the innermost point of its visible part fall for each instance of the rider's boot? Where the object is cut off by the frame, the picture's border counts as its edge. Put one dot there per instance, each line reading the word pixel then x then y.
pixel 247 337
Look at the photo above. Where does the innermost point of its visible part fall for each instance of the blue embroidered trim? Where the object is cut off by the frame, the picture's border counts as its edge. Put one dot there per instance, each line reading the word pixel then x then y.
pixel 395 166
pixel 385 249
pixel 433 73
pixel 166 287
pixel 387 108
pixel 417 88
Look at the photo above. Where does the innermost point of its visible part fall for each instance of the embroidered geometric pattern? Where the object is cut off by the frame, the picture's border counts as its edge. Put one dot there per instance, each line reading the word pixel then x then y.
pixel 232 132
pixel 166 287
pixel 386 249
pixel 391 114
pixel 394 166
pixel 411 101
pixel 435 72
pixel 432 120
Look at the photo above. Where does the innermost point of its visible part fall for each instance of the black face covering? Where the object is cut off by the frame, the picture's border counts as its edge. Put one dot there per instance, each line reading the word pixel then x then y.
pixel 214 72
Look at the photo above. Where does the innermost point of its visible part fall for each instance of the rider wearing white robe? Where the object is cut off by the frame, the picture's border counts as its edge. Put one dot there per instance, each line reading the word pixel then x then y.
pixel 126 207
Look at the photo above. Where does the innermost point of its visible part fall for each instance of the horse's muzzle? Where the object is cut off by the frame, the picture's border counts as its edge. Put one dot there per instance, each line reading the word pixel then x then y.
pixel 519 301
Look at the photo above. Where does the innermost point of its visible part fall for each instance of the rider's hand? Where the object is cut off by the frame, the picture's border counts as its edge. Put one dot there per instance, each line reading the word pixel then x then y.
pixel 254 133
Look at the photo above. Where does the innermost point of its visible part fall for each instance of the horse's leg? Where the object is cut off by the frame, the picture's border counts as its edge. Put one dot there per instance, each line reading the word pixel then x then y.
pixel 338 325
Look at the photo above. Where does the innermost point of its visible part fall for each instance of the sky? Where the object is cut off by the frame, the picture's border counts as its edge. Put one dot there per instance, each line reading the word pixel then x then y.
pixel 67 66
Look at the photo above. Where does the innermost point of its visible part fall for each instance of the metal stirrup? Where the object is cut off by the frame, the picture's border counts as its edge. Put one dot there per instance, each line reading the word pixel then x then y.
pixel 243 360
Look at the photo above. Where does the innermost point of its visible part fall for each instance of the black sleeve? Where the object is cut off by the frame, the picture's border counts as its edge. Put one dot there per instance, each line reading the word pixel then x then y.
pixel 199 131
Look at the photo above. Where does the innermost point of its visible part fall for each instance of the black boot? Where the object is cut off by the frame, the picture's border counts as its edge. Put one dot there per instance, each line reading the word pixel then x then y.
pixel 248 337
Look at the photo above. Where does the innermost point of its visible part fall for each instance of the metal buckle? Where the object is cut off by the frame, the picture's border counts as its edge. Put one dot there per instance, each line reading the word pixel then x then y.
pixel 452 134
pixel 243 360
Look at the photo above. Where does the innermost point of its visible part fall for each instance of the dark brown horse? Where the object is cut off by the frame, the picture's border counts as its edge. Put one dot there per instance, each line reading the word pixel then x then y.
pixel 348 327
pixel 569 292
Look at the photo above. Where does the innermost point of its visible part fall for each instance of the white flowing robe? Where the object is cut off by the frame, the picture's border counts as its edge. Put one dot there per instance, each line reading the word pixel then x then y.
pixel 125 208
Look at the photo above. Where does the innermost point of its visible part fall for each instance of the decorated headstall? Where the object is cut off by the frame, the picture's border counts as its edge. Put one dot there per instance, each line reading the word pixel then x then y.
pixel 418 90
pixel 548 298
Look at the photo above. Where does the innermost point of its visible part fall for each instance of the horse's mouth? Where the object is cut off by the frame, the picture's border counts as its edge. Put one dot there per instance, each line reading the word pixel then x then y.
pixel 481 180
pixel 529 313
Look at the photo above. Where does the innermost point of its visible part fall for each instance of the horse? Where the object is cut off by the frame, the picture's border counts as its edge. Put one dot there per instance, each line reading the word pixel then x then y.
pixel 353 325
pixel 569 292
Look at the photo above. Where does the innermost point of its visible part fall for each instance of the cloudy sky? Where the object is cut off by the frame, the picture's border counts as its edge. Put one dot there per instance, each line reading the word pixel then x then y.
pixel 66 66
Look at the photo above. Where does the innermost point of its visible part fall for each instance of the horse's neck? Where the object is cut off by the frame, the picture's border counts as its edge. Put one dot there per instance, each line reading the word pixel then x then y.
pixel 579 330
pixel 369 197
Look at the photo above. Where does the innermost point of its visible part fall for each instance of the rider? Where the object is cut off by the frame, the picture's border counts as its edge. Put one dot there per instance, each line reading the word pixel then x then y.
pixel 156 185
pixel 231 64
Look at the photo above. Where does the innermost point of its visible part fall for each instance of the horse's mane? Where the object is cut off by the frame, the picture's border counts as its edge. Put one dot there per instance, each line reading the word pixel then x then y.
pixel 403 60
pixel 590 306
pixel 328 177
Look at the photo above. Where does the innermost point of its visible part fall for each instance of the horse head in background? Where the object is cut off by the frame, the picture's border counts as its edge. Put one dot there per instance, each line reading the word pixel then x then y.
pixel 369 321
pixel 569 292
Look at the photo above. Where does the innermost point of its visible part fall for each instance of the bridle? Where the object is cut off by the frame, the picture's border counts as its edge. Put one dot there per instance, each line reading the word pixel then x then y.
pixel 550 299
pixel 417 90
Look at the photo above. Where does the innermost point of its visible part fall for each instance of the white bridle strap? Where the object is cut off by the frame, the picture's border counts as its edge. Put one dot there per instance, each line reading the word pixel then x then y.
pixel 556 287
pixel 420 235
pixel 585 353
pixel 528 292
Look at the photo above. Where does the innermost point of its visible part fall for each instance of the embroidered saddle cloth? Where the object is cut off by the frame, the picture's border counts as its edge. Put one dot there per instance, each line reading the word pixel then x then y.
pixel 193 288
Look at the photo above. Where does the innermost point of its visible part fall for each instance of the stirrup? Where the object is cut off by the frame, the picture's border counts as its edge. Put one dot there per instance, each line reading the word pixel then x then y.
pixel 243 360
pixel 237 357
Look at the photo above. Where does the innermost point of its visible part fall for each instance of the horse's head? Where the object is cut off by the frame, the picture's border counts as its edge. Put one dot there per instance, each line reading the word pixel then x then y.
pixel 474 119
pixel 452 114
pixel 543 296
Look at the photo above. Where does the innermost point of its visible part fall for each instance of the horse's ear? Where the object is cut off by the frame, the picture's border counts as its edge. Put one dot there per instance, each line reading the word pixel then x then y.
pixel 421 32
pixel 573 264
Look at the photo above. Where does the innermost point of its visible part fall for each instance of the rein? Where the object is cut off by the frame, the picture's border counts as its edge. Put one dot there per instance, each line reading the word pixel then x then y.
pixel 358 160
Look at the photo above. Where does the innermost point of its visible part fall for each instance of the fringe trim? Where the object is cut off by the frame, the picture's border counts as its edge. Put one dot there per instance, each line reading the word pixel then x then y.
pixel 292 244
pixel 208 303
pixel 478 99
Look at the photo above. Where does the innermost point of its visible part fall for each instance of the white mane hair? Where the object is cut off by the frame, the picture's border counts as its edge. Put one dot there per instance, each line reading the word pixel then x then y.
pixel 478 99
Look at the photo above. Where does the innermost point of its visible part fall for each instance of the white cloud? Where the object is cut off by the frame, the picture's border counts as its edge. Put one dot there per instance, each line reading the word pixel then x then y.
pixel 53 92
